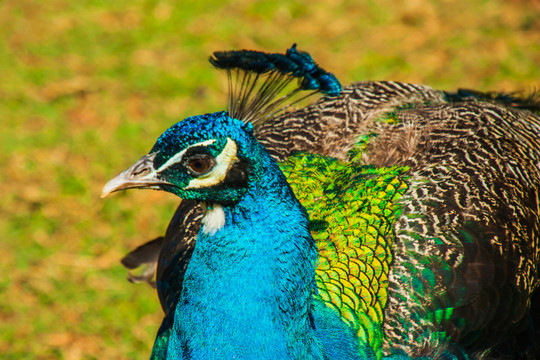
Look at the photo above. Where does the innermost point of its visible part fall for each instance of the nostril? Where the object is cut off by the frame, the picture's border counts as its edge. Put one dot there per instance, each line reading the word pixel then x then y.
pixel 140 171
pixel 142 168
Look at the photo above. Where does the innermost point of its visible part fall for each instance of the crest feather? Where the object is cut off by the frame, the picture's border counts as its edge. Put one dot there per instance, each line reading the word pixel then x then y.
pixel 257 78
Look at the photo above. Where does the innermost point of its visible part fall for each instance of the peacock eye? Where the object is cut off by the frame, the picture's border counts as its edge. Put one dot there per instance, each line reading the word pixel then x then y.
pixel 200 165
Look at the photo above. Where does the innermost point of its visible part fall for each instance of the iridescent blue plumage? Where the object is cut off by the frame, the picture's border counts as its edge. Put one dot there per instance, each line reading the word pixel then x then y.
pixel 215 314
pixel 315 77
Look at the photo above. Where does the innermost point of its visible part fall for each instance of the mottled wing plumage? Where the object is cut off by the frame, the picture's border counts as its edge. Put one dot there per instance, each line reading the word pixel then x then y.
pixel 332 125
pixel 471 217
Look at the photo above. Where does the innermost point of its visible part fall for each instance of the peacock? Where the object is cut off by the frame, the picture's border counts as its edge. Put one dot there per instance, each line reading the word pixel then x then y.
pixel 385 220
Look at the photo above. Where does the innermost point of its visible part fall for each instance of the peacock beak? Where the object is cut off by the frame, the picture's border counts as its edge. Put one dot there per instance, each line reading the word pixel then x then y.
pixel 139 175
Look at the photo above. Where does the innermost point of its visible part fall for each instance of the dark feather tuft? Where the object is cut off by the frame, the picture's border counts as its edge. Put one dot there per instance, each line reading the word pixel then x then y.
pixel 257 78
pixel 144 257
pixel 516 100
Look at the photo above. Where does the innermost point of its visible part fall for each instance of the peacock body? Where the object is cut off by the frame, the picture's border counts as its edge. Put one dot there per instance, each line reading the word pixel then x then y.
pixel 401 221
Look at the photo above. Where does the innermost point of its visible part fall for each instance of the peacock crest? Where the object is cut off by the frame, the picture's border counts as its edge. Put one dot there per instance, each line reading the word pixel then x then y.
pixel 256 79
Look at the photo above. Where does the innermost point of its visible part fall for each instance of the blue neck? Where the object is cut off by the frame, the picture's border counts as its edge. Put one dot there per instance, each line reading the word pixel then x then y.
pixel 247 292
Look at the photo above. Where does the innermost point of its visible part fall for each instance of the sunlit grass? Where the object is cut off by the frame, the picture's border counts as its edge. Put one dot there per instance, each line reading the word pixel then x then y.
pixel 87 86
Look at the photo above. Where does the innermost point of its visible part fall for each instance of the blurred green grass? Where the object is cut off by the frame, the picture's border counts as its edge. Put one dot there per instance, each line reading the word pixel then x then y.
pixel 87 86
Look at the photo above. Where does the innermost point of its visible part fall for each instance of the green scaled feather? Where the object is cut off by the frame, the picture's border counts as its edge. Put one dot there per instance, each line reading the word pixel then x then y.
pixel 353 209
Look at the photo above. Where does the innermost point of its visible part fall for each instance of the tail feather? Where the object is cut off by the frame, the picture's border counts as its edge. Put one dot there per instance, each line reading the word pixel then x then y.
pixel 518 100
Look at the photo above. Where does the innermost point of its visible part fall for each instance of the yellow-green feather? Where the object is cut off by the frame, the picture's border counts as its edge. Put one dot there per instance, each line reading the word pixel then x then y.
pixel 353 208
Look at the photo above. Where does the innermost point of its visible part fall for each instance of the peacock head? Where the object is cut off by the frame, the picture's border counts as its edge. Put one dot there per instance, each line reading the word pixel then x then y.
pixel 212 157
pixel 205 158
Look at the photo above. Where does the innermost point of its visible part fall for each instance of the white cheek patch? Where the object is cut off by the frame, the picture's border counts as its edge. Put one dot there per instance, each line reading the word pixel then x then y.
pixel 223 163
pixel 213 220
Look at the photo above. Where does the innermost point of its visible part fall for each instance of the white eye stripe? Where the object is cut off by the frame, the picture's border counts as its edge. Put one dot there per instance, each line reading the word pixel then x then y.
pixel 178 157
pixel 223 163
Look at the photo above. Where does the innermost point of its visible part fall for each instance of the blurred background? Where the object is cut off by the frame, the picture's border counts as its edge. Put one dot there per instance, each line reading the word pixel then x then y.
pixel 87 86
